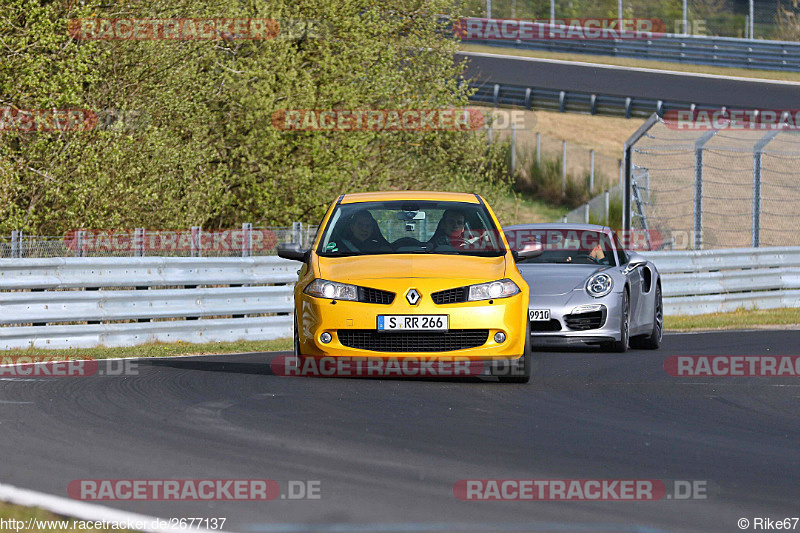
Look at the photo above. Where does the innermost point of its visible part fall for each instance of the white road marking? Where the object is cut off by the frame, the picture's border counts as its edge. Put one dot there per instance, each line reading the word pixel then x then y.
pixel 81 510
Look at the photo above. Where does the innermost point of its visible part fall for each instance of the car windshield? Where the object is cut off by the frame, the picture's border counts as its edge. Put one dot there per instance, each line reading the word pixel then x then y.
pixel 406 227
pixel 565 246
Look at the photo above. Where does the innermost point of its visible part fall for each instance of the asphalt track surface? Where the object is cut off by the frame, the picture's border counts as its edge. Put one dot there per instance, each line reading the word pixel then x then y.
pixel 739 93
pixel 388 452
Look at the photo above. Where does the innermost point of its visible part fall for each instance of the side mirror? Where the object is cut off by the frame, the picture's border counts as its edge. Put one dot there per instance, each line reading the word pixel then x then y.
pixel 291 251
pixel 528 251
pixel 633 264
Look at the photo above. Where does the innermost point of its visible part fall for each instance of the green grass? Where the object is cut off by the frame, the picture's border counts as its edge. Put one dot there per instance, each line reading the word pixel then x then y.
pixel 160 349
pixel 19 512
pixel 739 319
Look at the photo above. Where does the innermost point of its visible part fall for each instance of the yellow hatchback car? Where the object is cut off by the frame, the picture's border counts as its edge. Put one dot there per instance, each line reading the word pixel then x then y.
pixel 412 275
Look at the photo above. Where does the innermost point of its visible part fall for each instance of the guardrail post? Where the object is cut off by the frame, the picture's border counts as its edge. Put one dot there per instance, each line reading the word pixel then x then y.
pixel 79 235
pixel 496 95
pixel 607 198
pixel 591 171
pixel 538 149
pixel 586 212
pixel 297 233
pixel 628 107
pixel 562 101
pixel 528 98
pixel 138 242
pixel 563 168
pixel 197 241
pixel 247 239
pixel 16 244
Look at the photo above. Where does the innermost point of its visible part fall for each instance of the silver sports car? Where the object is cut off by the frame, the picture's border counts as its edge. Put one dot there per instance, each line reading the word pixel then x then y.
pixel 585 288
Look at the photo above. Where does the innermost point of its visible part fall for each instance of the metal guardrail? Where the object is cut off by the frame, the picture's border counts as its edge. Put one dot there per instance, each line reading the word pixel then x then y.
pixel 714 281
pixel 82 302
pixel 574 101
pixel 88 302
pixel 675 48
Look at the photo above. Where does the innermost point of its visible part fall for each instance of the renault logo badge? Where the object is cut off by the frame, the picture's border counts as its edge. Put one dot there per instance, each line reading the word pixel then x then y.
pixel 413 297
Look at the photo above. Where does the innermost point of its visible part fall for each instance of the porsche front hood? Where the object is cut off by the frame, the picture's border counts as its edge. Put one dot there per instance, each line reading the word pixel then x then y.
pixel 556 279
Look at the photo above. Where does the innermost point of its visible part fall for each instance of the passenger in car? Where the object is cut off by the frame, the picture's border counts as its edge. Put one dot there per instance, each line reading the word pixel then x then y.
pixel 450 231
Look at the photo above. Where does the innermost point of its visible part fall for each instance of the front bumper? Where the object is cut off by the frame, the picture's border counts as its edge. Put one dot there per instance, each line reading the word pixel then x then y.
pixel 565 326
pixel 353 328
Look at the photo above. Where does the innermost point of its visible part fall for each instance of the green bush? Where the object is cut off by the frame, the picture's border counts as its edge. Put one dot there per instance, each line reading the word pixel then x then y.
pixel 545 181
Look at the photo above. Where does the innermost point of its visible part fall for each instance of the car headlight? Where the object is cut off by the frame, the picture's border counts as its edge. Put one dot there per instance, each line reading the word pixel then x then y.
pixel 494 289
pixel 322 288
pixel 599 285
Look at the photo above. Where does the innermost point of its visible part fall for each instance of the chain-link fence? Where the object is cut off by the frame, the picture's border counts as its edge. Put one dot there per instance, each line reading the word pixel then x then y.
pixel 246 241
pixel 703 17
pixel 725 188
pixel 604 209
pixel 577 167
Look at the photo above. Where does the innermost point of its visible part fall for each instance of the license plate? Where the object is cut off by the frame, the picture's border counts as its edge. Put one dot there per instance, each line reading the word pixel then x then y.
pixel 539 315
pixel 413 322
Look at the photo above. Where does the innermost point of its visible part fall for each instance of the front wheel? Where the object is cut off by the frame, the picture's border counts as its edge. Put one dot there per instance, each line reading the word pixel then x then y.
pixel 297 341
pixel 621 345
pixel 653 340
pixel 520 369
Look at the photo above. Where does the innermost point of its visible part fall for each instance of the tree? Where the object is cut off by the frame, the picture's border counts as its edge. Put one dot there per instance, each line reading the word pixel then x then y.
pixel 185 135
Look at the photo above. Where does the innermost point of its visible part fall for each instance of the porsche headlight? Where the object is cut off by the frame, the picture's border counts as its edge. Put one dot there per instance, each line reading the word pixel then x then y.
pixel 599 285
pixel 322 288
pixel 494 289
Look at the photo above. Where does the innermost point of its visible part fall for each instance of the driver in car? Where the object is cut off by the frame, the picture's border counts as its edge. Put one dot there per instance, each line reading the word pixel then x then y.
pixel 362 234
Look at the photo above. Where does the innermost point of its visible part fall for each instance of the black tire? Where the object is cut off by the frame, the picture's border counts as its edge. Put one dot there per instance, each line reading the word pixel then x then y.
pixel 297 341
pixel 652 341
pixel 521 368
pixel 621 346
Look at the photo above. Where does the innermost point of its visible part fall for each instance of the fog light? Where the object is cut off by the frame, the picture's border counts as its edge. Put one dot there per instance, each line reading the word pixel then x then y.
pixel 499 337
pixel 325 338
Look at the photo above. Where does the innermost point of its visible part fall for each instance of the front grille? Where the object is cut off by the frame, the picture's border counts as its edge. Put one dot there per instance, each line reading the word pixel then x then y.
pixel 584 321
pixel 550 325
pixel 375 296
pixel 451 296
pixel 413 341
